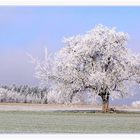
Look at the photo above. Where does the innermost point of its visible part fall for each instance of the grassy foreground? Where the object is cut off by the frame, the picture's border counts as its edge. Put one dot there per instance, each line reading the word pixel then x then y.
pixel 60 122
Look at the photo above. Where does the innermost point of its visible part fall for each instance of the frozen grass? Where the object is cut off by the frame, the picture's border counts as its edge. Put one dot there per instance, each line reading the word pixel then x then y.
pixel 56 122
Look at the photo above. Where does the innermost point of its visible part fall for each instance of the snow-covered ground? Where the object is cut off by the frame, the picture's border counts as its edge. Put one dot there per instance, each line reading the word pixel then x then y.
pixel 55 107
pixel 44 107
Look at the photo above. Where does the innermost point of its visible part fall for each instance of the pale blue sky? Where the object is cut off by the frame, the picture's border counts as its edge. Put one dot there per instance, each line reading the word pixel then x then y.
pixel 22 27
pixel 30 29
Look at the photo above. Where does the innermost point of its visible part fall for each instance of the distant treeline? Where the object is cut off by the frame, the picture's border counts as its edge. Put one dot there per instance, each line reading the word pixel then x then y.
pixel 23 93
pixel 28 94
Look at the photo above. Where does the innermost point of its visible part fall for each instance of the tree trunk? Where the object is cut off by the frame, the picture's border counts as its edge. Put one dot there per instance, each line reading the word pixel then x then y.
pixel 105 104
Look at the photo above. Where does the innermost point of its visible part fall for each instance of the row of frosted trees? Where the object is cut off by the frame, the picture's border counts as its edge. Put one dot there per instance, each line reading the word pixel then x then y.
pixel 29 94
pixel 23 93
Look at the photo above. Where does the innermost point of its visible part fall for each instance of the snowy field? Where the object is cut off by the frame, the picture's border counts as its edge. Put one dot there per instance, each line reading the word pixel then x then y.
pixel 44 107
pixel 58 107
pixel 62 122
pixel 41 118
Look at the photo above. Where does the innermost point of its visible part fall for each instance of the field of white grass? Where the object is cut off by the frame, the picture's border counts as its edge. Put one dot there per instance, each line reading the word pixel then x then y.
pixel 40 118
pixel 62 122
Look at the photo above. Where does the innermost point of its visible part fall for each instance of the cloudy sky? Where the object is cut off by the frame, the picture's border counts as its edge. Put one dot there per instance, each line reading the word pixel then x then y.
pixel 31 29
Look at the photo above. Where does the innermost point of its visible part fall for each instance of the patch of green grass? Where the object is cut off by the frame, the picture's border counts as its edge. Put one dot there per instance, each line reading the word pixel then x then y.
pixel 62 122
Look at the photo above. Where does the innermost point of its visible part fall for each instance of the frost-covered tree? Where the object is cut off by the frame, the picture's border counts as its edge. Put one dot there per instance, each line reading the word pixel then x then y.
pixel 97 62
